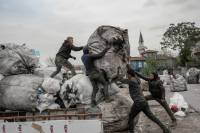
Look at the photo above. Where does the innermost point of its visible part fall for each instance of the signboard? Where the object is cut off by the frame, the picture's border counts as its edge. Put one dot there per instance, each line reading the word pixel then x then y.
pixel 53 126
pixel 36 52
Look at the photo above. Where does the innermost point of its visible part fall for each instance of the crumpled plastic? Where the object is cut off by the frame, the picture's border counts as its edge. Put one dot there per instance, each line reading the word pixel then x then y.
pixel 45 101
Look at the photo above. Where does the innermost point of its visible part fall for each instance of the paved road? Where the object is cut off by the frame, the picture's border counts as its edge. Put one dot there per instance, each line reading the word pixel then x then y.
pixel 192 96
pixel 188 124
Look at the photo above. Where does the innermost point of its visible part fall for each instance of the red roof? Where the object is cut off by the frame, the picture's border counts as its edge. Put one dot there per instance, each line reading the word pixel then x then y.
pixel 138 58
pixel 149 51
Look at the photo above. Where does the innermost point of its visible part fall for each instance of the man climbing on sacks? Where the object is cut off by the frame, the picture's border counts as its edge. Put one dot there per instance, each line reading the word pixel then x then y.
pixel 63 55
pixel 95 75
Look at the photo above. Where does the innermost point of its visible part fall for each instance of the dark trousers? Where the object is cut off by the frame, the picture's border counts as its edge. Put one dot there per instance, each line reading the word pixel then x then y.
pixel 96 77
pixel 143 107
pixel 164 104
pixel 60 61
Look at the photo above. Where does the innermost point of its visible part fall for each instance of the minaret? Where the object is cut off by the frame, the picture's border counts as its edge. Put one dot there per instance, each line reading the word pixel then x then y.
pixel 141 47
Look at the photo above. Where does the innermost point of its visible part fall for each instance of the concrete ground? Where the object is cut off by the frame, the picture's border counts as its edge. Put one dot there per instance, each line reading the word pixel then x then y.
pixel 188 124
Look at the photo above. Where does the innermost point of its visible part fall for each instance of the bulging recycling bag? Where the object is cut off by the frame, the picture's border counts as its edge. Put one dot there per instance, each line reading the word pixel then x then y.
pixel 17 59
pixel 19 92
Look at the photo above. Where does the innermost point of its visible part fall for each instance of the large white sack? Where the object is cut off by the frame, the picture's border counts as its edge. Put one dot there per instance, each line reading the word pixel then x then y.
pixel 116 58
pixel 51 85
pixel 17 59
pixel 18 92
pixel 178 83
pixel 78 89
pixel 192 75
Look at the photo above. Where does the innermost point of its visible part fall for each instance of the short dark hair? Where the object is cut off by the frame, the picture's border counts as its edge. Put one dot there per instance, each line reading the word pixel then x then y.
pixel 131 72
pixel 155 74
pixel 3 46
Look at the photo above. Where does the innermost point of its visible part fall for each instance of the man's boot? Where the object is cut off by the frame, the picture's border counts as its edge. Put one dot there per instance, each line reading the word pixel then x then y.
pixel 93 103
pixel 174 123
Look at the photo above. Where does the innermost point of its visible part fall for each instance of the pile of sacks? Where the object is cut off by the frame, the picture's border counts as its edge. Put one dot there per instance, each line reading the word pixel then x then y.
pixel 78 90
pixel 28 92
pixel 193 76
pixel 175 83
pixel 26 87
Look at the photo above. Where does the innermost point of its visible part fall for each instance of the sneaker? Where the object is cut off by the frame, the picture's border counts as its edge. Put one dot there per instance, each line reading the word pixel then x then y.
pixel 166 131
pixel 93 103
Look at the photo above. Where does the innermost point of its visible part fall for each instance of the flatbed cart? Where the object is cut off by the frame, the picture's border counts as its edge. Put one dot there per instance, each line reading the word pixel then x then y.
pixel 48 115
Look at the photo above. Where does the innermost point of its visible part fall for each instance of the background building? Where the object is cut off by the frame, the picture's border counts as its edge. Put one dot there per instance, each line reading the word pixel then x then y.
pixel 139 62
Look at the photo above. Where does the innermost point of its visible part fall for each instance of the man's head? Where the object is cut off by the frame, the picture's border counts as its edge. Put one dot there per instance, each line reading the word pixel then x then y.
pixel 130 73
pixel 70 40
pixel 2 47
pixel 153 76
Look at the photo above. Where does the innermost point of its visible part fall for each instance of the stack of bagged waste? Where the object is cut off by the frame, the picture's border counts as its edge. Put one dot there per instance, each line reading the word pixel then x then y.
pixel 19 88
pixel 17 59
pixel 193 76
pixel 31 92
pixel 178 83
pixel 28 92
pixel 78 90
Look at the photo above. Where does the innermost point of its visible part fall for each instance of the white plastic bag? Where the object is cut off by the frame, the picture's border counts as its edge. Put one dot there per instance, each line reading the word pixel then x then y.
pixel 180 113
pixel 51 85
pixel 178 100
pixel 46 101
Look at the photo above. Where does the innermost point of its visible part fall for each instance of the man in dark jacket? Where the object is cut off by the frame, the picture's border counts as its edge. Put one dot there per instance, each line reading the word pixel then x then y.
pixel 140 103
pixel 64 54
pixel 95 75
pixel 157 91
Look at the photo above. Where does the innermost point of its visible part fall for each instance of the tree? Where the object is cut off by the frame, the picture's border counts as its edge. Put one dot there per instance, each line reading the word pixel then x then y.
pixel 150 66
pixel 178 37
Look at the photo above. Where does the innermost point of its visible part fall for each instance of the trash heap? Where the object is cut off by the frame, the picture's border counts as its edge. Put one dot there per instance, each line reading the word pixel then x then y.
pixel 193 76
pixel 24 86
pixel 175 83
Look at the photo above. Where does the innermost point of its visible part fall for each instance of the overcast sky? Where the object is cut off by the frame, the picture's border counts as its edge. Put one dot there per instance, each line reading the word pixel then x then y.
pixel 44 24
